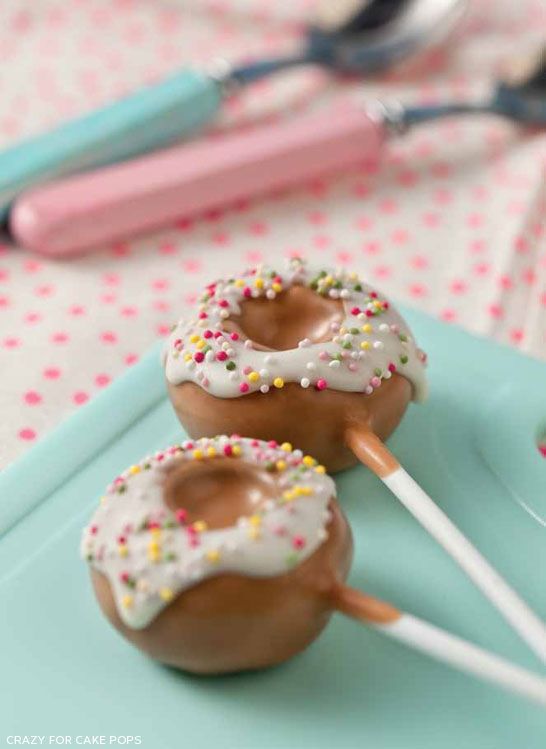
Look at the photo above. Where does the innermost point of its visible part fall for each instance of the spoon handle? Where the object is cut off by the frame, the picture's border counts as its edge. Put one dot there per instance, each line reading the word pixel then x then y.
pixel 81 212
pixel 439 644
pixel 377 457
pixel 149 118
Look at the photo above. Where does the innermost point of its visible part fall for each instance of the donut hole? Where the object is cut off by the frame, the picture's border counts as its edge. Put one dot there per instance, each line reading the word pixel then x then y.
pixel 218 490
pixel 281 323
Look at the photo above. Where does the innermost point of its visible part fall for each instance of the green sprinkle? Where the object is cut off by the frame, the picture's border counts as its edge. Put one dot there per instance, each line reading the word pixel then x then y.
pixel 378 372
pixel 230 365
pixel 358 287
pixel 347 344
pixel 170 557
pixel 404 359
pixel 291 559
pixel 403 337
pixel 354 331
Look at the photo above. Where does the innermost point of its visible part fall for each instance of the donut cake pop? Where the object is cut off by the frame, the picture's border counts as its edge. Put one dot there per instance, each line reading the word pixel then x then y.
pixel 318 358
pixel 230 554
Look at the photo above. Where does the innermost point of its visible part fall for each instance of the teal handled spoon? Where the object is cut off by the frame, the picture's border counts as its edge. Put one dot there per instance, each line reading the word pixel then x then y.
pixel 349 36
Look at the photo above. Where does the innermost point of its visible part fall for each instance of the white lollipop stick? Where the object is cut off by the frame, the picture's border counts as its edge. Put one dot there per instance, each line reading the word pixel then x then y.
pixel 373 453
pixel 439 644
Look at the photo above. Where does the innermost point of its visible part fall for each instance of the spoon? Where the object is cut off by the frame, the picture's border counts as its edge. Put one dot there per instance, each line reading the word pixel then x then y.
pixel 79 213
pixel 359 37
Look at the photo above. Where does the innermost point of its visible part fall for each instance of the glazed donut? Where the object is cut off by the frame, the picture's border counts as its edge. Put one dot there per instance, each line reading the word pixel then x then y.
pixel 229 554
pixel 325 348
pixel 219 555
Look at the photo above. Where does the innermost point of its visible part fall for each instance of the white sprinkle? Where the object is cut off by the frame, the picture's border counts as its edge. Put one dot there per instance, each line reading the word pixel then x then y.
pixel 264 388
pixel 209 356
pixel 270 294
pixel 368 389
pixel 378 345
pixel 334 364
pixel 384 328
pixel 345 294
pixel 311 366
pixel 224 314
pixel 264 373
pixel 387 375
pixel 304 382
pixel 248 343
pixel 304 343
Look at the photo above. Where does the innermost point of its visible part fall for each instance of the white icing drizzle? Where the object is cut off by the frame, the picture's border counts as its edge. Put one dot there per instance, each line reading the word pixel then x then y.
pixel 371 343
pixel 150 554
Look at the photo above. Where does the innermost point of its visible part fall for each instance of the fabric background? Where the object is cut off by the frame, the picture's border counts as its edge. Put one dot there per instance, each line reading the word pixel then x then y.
pixel 452 222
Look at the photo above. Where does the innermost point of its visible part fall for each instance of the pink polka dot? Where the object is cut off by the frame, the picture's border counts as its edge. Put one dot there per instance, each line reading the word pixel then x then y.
pixel 364 223
pixel 258 228
pixel 448 315
pixel 111 279
pixel 160 284
pixel 120 249
pixel 220 237
pixel 430 219
pixel 184 224
pixel 388 205
pixel 76 310
pixel 371 248
pixel 128 311
pixel 108 337
pixel 400 236
pixel 4 302
pixel 321 241
pixel 475 220
pixel 32 398
pixel 59 337
pixel 317 217
pixel 458 286
pixel 506 283
pixel 4 274
pixel 417 290
pixel 192 265
pixel 161 305
pixel 108 298
pixel 543 299
pixel 27 434
pixel 477 246
pixel 419 262
pixel 52 373
pixel 442 196
pixel 11 342
pixel 521 245
pixel 101 380
pixel 32 317
pixel 163 330
pixel 482 269
pixel 344 258
pixel 167 248
pixel 44 290
pixel 495 311
pixel 382 271
pixel 80 397
pixel 529 276
pixel 130 359
pixel 517 335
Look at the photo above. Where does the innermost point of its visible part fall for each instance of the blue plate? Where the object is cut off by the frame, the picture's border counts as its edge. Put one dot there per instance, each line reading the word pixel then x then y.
pixel 472 446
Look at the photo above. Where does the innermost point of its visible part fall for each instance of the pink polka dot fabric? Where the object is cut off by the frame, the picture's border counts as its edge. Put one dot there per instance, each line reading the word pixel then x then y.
pixel 452 221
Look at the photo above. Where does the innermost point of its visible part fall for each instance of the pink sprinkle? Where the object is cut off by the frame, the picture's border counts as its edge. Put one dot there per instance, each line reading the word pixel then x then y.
pixel 178 343
pixel 542 449
pixel 32 398
pixel 234 336
pixel 298 542
pixel 321 384
pixel 272 443
pixel 375 382
pixel 392 367
pixel 223 303
pixel 207 334
pixel 352 367
pixel 280 530
pixel 373 294
pixel 324 356
pixel 247 370
pixel 194 540
pixel 369 313
pixel 218 334
pixel 80 397
pixel 247 291
pixel 124 577
pixel 203 315
pixel 356 311
pixel 181 516
pixel 199 356
pixel 235 436
pixel 243 387
pixel 228 450
pixel 152 525
pixel 221 356
pixel 94 530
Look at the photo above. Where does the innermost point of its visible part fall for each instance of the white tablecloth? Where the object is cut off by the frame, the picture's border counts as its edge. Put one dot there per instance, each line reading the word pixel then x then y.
pixel 453 222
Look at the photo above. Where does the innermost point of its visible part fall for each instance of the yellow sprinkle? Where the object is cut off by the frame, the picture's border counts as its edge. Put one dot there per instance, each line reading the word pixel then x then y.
pixel 153 547
pixel 198 454
pixel 342 330
pixel 254 376
pixel 127 601
pixel 236 450
pixel 166 594
pixel 365 345
pixel 134 469
pixel 320 469
pixel 259 283
pixel 277 287
pixel 328 279
pixel 200 344
pixel 156 532
pixel 377 304
pixel 254 533
pixel 187 357
pixel 303 491
pixel 154 556
pixel 213 555
pixel 239 283
pixel 278 382
pixel 353 276
pixel 255 520
pixel 367 328
pixel 200 526
pixel 123 550
pixel 288 495
pixel 194 338
pixel 211 452
pixel 287 447
pixel 281 465
pixel 309 461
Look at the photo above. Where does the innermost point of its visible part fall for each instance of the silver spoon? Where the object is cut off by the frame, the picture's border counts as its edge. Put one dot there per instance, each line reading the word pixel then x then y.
pixel 349 36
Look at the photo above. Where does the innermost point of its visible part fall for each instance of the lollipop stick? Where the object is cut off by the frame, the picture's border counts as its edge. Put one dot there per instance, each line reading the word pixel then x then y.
pixel 439 644
pixel 375 455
